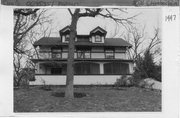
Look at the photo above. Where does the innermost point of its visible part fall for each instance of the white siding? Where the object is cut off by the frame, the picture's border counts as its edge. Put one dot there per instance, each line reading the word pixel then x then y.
pixel 78 80
pixel 120 56
pixel 97 55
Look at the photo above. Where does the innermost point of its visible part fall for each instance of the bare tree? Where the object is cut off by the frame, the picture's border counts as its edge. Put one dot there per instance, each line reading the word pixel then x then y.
pixel 17 69
pixel 75 16
pixel 154 41
pixel 141 46
pixel 135 37
pixel 25 20
pixel 155 45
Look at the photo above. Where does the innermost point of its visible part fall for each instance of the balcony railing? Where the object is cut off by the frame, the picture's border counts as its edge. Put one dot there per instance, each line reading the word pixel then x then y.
pixel 64 55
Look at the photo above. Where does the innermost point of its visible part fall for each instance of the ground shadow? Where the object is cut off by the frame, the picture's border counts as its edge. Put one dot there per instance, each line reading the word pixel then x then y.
pixel 62 94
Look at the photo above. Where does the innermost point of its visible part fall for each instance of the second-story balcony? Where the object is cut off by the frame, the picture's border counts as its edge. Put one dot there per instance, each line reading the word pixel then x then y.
pixel 83 55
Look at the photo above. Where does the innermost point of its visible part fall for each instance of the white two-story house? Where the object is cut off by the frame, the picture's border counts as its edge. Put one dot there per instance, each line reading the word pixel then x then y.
pixel 98 60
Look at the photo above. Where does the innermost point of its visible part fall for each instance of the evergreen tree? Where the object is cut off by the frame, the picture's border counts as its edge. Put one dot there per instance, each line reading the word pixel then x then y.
pixel 146 68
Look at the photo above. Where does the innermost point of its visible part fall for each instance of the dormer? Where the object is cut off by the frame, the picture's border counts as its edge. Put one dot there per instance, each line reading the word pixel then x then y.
pixel 65 34
pixel 98 35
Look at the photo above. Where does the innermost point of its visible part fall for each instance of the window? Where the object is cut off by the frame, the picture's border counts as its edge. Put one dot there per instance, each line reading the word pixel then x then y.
pixel 98 38
pixel 86 68
pixel 109 53
pixel 44 53
pixel 67 37
pixel 116 68
pixel 84 54
pixel 56 71
pixel 56 53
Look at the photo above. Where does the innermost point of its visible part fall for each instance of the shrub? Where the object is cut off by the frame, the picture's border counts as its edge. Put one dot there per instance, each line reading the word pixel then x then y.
pixel 124 81
pixel 45 86
pixel 147 83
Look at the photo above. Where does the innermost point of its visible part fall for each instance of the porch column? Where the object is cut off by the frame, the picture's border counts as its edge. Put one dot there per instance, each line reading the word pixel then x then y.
pixel 131 65
pixel 101 68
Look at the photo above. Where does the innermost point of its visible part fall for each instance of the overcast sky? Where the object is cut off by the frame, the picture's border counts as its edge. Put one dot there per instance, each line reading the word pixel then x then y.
pixel 148 16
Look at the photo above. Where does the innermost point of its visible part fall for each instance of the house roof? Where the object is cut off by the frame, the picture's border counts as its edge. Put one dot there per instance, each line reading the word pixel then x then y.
pixel 50 41
pixel 65 29
pixel 98 29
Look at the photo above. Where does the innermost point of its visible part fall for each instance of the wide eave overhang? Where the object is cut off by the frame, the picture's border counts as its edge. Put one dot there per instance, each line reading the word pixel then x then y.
pixel 45 41
pixel 81 60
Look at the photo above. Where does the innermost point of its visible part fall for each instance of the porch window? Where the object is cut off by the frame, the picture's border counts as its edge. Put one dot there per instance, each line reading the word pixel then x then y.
pixel 56 71
pixel 109 53
pixel 86 68
pixel 116 68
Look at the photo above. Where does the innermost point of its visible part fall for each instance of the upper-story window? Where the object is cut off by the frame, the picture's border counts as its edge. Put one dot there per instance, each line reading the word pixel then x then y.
pixel 44 52
pixel 109 53
pixel 67 37
pixel 56 53
pixel 83 54
pixel 98 38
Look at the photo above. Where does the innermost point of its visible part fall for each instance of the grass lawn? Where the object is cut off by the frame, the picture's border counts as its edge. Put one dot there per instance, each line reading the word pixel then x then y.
pixel 97 99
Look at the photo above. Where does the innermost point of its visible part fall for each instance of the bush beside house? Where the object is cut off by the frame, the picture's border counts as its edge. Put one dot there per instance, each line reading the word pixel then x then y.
pixel 26 75
pixel 124 81
pixel 147 74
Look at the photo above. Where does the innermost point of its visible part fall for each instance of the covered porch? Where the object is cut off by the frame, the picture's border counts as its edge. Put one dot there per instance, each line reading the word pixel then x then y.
pixel 85 68
pixel 85 72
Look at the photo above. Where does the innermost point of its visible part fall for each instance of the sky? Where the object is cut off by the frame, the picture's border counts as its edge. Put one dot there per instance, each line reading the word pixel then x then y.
pixel 147 16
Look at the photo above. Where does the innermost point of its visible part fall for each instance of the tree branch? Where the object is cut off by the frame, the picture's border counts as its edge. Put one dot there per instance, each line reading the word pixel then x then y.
pixel 70 11
pixel 25 12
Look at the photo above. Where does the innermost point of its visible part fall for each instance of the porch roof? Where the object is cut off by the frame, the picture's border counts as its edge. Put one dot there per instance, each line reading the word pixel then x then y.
pixel 81 60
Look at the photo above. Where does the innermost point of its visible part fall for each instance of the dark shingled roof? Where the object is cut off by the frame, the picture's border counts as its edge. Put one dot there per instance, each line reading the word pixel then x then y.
pixel 49 41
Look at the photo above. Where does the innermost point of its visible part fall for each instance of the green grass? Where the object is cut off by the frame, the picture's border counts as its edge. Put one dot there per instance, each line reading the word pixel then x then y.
pixel 97 99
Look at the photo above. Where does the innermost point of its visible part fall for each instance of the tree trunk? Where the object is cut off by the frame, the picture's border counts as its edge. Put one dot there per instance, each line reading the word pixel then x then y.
pixel 69 92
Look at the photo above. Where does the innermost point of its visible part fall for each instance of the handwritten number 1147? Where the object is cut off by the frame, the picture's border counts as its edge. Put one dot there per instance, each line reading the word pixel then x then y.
pixel 170 18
